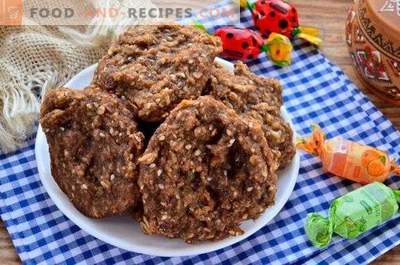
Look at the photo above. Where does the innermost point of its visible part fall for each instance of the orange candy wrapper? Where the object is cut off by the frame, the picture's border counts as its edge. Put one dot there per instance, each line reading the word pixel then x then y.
pixel 349 160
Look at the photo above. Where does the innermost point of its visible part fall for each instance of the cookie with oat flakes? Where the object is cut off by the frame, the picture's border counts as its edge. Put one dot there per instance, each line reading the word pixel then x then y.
pixel 257 97
pixel 205 170
pixel 155 67
pixel 243 89
pixel 94 144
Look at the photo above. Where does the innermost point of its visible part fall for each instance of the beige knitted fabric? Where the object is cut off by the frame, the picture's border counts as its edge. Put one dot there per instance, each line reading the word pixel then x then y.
pixel 31 59
pixel 36 58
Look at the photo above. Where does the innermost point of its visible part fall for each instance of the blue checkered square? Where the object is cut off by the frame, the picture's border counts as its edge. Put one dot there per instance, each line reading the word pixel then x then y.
pixel 316 91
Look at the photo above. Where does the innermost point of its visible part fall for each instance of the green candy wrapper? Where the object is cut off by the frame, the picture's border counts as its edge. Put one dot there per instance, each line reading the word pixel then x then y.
pixel 353 214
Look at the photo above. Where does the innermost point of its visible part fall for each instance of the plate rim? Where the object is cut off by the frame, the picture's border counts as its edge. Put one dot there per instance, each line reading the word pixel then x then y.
pixel 82 224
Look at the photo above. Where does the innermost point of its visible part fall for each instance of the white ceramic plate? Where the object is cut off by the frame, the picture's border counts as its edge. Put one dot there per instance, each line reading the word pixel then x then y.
pixel 123 232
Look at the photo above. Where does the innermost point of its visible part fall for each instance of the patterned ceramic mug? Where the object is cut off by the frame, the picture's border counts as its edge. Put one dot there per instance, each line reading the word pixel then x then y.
pixel 373 37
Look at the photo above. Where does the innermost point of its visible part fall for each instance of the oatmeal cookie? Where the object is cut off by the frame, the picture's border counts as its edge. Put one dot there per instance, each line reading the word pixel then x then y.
pixel 243 89
pixel 94 145
pixel 155 67
pixel 278 132
pixel 205 170
pixel 259 98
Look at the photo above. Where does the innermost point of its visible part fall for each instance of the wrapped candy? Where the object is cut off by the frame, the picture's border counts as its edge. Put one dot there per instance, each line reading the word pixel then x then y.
pixel 353 214
pixel 280 17
pixel 349 160
pixel 246 44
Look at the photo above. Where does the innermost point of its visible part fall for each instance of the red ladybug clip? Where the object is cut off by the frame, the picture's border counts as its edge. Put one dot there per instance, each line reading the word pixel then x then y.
pixel 281 17
pixel 246 44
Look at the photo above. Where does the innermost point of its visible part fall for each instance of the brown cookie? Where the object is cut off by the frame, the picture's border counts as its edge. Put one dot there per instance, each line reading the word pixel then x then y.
pixel 243 89
pixel 257 97
pixel 155 67
pixel 205 170
pixel 94 145
pixel 278 132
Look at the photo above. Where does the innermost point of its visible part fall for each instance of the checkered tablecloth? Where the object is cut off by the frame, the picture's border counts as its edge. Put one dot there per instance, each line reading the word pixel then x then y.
pixel 315 91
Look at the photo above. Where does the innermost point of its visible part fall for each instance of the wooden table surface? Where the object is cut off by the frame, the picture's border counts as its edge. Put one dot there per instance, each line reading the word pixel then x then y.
pixel 329 15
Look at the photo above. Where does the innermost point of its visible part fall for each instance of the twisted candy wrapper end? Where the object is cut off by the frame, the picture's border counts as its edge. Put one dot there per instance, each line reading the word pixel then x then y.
pixel 198 25
pixel 319 230
pixel 395 168
pixel 397 195
pixel 314 143
pixel 242 3
pixel 310 34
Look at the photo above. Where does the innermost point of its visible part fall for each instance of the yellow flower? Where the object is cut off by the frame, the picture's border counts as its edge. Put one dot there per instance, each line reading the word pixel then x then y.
pixel 279 49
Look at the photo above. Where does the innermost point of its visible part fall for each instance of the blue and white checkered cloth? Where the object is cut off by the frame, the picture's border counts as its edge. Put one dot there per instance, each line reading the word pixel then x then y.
pixel 316 91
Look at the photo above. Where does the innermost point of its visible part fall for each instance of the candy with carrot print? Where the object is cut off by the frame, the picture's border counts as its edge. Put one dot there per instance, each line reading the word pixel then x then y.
pixel 350 160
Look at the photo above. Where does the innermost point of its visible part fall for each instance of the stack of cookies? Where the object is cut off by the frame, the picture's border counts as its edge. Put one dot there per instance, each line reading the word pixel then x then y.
pixel 166 134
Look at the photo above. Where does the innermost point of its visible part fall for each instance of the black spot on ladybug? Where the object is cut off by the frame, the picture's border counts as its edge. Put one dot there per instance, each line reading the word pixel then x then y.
pixel 272 14
pixel 283 24
pixel 262 13
pixel 250 57
pixel 245 45
pixel 263 2
pixel 229 35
